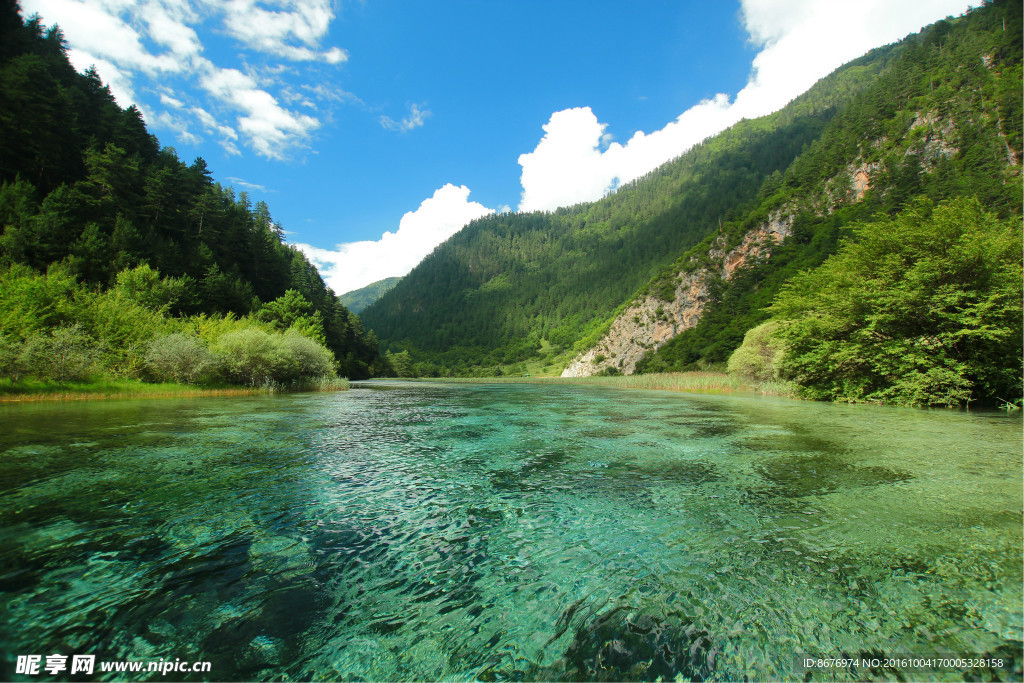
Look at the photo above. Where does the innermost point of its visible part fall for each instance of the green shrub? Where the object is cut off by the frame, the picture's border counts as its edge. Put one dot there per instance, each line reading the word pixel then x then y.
pixel 293 311
pixel 144 285
pixel 667 291
pixel 401 364
pixel 923 308
pixel 311 360
pixel 178 358
pixel 11 365
pixel 254 357
pixel 759 357
pixel 31 302
pixel 123 327
pixel 66 354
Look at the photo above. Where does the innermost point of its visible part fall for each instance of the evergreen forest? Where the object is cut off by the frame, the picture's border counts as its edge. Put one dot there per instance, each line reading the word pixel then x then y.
pixel 931 121
pixel 359 299
pixel 898 177
pixel 131 263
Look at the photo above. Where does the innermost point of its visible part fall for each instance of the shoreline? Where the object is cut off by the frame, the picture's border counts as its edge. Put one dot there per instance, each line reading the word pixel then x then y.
pixel 697 382
pixel 694 382
pixel 138 391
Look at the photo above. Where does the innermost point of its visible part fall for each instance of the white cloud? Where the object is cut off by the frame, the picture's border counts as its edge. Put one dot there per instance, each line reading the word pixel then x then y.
pixel 226 135
pixel 357 264
pixel 168 23
pixel 119 82
pixel 416 118
pixel 175 123
pixel 247 185
pixel 173 102
pixel 108 37
pixel 810 39
pixel 212 125
pixel 158 39
pixel 270 129
pixel 290 96
pixel 567 166
pixel 276 31
pixel 329 93
pixel 800 42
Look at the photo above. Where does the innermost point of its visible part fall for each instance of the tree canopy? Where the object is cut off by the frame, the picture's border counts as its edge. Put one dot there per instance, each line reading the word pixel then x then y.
pixel 84 184
pixel 922 308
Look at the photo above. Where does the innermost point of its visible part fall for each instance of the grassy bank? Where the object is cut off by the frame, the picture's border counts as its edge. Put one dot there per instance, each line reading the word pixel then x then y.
pixel 694 382
pixel 99 390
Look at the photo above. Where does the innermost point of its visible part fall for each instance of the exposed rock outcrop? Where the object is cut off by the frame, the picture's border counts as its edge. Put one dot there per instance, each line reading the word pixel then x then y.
pixel 935 139
pixel 650 321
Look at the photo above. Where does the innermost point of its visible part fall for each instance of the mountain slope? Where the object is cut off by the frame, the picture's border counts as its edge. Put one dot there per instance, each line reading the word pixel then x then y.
pixel 936 116
pixel 513 287
pixel 358 299
pixel 934 126
pixel 83 184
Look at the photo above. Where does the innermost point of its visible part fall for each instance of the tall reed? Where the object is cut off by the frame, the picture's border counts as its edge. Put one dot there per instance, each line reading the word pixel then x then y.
pixel 32 391
pixel 695 382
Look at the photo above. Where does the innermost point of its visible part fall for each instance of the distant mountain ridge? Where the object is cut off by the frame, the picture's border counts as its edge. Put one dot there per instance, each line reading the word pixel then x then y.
pixel 358 299
pixel 512 287
pixel 933 117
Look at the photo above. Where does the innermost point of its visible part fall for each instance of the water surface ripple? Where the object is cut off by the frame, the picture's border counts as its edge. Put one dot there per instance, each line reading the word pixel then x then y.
pixel 502 532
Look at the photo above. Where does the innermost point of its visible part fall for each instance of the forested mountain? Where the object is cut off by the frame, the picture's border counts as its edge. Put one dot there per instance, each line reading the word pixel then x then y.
pixel 943 121
pixel 358 299
pixel 934 117
pixel 512 287
pixel 111 243
pixel 85 187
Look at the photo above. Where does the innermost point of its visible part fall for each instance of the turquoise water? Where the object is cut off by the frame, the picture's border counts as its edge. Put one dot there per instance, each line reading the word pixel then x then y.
pixel 427 532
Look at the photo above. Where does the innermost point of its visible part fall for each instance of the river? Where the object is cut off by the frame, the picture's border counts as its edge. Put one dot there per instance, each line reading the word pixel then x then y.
pixel 409 531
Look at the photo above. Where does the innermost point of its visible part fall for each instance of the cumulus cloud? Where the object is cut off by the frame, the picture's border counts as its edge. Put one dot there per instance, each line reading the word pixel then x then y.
pixel 109 36
pixel 416 118
pixel 800 41
pixel 173 122
pixel 157 39
pixel 270 129
pixel 567 166
pixel 357 264
pixel 810 39
pixel 294 31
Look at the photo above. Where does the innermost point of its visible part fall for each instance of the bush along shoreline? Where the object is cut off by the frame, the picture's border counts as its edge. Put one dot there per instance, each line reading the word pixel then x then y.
pixel 61 339
pixel 920 309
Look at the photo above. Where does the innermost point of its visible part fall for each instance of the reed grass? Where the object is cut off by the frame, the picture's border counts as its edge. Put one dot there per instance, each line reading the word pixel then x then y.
pixel 32 391
pixel 698 382
pixel 321 384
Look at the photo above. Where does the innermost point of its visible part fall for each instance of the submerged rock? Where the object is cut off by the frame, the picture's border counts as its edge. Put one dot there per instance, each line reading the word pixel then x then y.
pixel 620 645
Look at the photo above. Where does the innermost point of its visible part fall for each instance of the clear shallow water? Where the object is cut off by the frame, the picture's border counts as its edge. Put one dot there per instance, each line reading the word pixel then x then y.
pixel 423 532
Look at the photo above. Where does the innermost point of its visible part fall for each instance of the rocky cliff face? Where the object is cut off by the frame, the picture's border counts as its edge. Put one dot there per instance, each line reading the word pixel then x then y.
pixel 650 321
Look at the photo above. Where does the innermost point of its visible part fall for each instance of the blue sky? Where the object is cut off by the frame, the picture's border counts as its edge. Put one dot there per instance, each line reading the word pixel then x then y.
pixel 375 129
